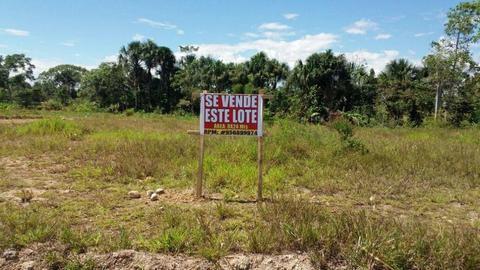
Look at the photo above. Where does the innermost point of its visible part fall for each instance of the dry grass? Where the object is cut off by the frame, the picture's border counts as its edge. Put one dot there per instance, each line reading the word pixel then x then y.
pixel 411 201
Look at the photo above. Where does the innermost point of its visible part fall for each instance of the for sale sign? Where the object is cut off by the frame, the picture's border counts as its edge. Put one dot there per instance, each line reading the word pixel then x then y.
pixel 231 114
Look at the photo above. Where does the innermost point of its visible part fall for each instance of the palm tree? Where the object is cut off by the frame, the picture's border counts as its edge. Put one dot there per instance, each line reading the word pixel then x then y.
pixel 399 85
pixel 130 59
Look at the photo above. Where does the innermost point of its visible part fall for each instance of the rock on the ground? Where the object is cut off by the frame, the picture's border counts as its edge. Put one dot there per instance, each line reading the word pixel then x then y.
pixel 154 197
pixel 149 193
pixel 159 191
pixel 240 263
pixel 10 254
pixel 260 261
pixel 30 265
pixel 130 259
pixel 134 194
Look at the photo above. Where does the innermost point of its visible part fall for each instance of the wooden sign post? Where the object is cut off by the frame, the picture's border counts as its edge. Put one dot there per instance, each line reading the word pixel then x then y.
pixel 231 115
pixel 198 189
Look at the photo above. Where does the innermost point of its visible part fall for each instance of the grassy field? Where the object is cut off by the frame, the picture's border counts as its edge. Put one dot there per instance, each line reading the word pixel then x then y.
pixel 410 202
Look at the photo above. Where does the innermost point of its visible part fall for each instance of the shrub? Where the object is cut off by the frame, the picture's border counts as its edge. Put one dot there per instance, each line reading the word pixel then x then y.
pixel 129 112
pixel 357 119
pixel 83 106
pixel 51 105
pixel 345 129
pixel 26 195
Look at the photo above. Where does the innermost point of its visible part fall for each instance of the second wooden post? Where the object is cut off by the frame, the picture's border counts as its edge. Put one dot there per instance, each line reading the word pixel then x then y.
pixel 198 190
pixel 260 168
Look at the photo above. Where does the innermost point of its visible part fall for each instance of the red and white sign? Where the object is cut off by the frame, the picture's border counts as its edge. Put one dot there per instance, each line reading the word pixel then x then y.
pixel 231 114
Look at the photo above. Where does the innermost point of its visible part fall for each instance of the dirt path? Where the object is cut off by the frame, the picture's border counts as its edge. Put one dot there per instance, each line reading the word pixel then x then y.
pixel 17 119
pixel 35 175
pixel 130 259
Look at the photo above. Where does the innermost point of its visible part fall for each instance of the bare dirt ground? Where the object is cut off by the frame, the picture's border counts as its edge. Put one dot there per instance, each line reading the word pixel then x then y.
pixel 33 258
pixel 41 174
pixel 17 119
pixel 37 175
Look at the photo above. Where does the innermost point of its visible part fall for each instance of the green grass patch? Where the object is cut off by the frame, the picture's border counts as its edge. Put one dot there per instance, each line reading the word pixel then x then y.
pixel 53 126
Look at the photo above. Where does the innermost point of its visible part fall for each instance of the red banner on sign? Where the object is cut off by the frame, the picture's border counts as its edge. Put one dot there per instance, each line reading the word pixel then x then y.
pixel 231 114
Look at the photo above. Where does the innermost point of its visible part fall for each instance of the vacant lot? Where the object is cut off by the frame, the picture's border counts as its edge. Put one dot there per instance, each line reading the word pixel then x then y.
pixel 411 201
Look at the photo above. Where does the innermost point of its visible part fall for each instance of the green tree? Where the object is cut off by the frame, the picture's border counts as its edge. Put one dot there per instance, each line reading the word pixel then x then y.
pixel 365 84
pixel 265 73
pixel 61 82
pixel 198 74
pixel 402 91
pixel 16 73
pixel 149 70
pixel 107 87
pixel 321 85
pixel 451 60
pixel 130 59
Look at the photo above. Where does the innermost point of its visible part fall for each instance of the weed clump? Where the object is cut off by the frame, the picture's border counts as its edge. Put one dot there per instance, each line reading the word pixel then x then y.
pixel 26 195
pixel 349 143
pixel 54 126
pixel 23 226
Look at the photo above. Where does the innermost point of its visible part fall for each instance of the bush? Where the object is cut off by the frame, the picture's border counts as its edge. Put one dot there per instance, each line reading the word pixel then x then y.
pixel 83 106
pixel 10 107
pixel 51 105
pixel 4 96
pixel 345 129
pixel 357 119
pixel 129 112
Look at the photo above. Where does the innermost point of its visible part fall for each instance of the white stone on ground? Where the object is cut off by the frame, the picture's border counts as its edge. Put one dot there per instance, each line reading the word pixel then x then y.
pixel 134 194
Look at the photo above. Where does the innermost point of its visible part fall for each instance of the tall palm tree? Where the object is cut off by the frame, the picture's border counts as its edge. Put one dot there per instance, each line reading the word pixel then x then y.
pixel 130 59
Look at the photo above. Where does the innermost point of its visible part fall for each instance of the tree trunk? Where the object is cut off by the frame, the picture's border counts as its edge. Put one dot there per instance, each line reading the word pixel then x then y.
pixel 455 59
pixel 437 101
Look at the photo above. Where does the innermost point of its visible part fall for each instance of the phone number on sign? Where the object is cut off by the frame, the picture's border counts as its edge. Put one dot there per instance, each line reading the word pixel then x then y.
pixel 230 132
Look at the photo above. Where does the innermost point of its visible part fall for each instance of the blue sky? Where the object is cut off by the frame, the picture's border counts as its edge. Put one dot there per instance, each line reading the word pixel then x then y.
pixel 88 32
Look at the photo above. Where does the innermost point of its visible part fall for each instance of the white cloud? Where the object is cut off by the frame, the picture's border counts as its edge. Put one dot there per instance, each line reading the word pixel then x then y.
pixel 284 51
pixel 277 35
pixel 16 32
pixel 272 30
pixel 42 65
pixel 251 35
pixel 423 34
pixel 273 26
pixel 138 37
pixel 361 27
pixel 375 60
pixel 383 36
pixel 68 44
pixel 290 16
pixel 161 25
pixel 110 58
pixel 3 46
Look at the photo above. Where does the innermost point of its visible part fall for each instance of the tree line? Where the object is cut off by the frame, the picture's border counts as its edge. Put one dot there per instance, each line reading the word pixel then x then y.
pixel 147 77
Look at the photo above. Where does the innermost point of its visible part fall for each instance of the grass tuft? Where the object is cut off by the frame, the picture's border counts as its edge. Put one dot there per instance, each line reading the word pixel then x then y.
pixel 53 126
